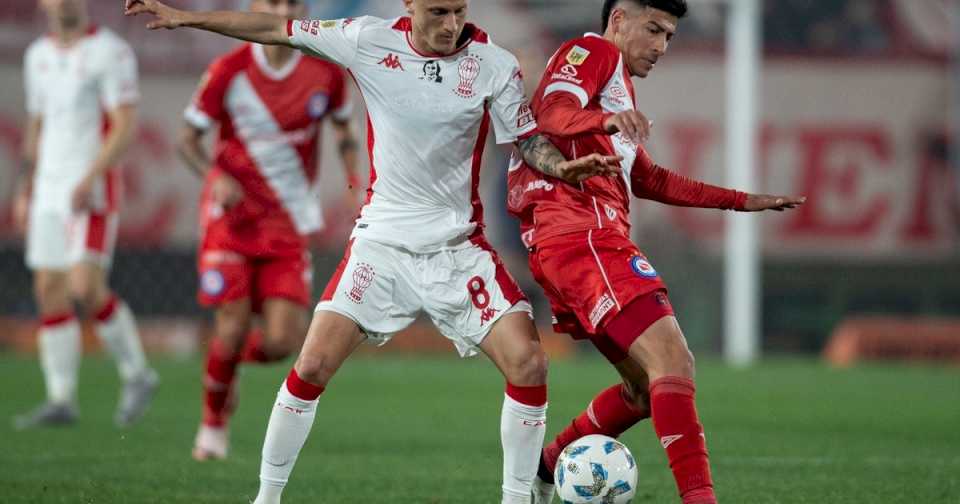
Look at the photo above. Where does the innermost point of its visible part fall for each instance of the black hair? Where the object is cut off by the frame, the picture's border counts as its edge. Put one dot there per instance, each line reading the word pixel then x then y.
pixel 677 8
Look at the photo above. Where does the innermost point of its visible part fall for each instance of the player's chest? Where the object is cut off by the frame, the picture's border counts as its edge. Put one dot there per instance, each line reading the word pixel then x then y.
pixel 67 78
pixel 428 90
pixel 288 104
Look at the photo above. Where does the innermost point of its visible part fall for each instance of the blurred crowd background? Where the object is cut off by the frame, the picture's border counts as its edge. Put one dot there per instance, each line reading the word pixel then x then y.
pixel 855 101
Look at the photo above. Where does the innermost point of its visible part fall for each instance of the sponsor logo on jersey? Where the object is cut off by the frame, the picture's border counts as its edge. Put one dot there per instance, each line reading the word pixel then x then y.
pixel 524 115
pixel 363 275
pixel 642 267
pixel 617 94
pixel 212 282
pixel 569 70
pixel 317 106
pixel 604 305
pixel 468 70
pixel 348 21
pixel 392 62
pixel 431 72
pixel 328 24
pixel 567 73
pixel 577 55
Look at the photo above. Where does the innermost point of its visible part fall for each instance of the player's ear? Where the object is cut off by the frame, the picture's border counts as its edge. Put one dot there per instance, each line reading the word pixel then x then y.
pixel 408 4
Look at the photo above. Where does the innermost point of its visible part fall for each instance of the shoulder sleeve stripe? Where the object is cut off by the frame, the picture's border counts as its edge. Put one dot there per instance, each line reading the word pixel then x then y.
pixel 576 90
pixel 197 118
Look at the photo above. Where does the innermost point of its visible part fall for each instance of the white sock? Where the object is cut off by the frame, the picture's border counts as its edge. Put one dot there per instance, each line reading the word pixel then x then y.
pixel 120 336
pixel 521 432
pixel 289 426
pixel 60 359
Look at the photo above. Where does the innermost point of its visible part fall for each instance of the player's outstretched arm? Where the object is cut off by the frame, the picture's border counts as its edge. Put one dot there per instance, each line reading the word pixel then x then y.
pixel 251 26
pixel 761 202
pixel 538 152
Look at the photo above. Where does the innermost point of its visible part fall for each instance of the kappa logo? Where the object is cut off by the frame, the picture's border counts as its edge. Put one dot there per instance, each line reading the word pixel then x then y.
pixel 487 315
pixel 392 62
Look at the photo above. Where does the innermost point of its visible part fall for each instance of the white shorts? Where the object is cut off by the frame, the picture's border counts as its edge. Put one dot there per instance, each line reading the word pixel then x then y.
pixel 464 290
pixel 58 241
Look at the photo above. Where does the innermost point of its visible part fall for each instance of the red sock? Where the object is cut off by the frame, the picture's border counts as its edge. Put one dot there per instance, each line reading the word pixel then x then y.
pixel 218 385
pixel 253 349
pixel 301 388
pixel 609 414
pixel 678 428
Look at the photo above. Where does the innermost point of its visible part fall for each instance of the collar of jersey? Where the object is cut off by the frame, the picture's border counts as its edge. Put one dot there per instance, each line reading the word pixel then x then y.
pixel 276 74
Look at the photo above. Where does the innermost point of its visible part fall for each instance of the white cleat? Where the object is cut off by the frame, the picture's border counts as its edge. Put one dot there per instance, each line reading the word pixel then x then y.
pixel 211 443
pixel 136 398
pixel 542 491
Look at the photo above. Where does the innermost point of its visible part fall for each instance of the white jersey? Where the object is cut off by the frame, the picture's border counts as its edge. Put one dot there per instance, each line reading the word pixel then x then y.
pixel 69 88
pixel 428 117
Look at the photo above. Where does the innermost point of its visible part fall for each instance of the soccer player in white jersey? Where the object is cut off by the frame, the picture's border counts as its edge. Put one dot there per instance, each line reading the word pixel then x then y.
pixel 78 78
pixel 433 86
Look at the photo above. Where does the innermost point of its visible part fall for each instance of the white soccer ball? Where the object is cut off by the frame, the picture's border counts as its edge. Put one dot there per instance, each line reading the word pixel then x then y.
pixel 596 469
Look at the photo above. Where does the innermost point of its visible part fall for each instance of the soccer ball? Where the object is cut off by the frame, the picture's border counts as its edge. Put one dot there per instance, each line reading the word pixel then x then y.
pixel 596 469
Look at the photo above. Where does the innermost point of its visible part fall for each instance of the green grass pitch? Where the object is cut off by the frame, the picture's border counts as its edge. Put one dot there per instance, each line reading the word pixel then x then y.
pixel 426 430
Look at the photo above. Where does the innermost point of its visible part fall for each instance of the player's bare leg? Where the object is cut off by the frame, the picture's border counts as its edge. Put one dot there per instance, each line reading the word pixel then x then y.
pixel 611 413
pixel 662 352
pixel 514 346
pixel 331 338
pixel 117 329
pixel 59 346
pixel 231 325
pixel 284 325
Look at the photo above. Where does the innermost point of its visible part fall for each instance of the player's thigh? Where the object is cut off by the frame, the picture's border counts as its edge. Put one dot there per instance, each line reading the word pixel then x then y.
pixel 374 286
pixel 88 284
pixel 661 350
pixel 232 321
pixel 514 346
pixel 51 291
pixel 284 323
pixel 331 338
pixel 47 240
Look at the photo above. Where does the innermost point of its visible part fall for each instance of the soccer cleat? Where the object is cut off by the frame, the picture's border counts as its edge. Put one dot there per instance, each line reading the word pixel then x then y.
pixel 211 443
pixel 135 398
pixel 47 415
pixel 542 491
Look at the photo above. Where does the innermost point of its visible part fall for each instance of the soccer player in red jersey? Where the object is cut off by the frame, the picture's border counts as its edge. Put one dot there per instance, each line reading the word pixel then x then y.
pixel 600 286
pixel 259 204
pixel 434 86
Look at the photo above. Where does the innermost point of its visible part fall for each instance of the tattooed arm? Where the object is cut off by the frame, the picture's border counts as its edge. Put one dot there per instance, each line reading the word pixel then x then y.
pixel 540 154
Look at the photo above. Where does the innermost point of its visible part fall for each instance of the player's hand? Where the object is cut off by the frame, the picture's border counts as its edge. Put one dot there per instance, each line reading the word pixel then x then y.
pixel 21 209
pixel 81 199
pixel 631 123
pixel 226 191
pixel 761 202
pixel 580 169
pixel 166 17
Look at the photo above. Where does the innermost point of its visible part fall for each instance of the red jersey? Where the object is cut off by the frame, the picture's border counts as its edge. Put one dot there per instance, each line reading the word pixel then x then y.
pixel 587 81
pixel 270 123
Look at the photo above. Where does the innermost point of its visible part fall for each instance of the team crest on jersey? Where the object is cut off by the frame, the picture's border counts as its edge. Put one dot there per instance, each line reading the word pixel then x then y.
pixel 317 106
pixel 611 213
pixel 469 70
pixel 642 267
pixel 431 72
pixel 363 276
pixel 212 282
pixel 577 55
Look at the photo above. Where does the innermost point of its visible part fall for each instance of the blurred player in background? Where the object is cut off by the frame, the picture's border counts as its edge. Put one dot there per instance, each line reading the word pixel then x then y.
pixel 433 86
pixel 600 286
pixel 82 93
pixel 259 206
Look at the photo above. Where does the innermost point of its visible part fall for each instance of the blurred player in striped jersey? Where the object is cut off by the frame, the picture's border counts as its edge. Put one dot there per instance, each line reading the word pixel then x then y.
pixel 600 286
pixel 82 94
pixel 259 204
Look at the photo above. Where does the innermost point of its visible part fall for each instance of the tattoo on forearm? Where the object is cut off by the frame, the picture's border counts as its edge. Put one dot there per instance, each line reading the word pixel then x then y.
pixel 542 155
pixel 347 145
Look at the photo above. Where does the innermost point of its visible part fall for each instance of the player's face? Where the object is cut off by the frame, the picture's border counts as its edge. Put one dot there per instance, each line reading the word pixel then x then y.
pixel 437 23
pixel 642 35
pixel 293 9
pixel 67 13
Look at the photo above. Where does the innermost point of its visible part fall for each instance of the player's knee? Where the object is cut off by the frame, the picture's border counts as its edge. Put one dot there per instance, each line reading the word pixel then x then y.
pixel 636 395
pixel 316 369
pixel 530 368
pixel 231 333
pixel 89 295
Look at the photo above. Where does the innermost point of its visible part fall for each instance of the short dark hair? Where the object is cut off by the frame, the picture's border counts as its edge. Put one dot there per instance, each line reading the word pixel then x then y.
pixel 676 7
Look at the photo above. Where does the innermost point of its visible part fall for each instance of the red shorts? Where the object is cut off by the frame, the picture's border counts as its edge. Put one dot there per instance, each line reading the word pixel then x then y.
pixel 227 274
pixel 593 276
